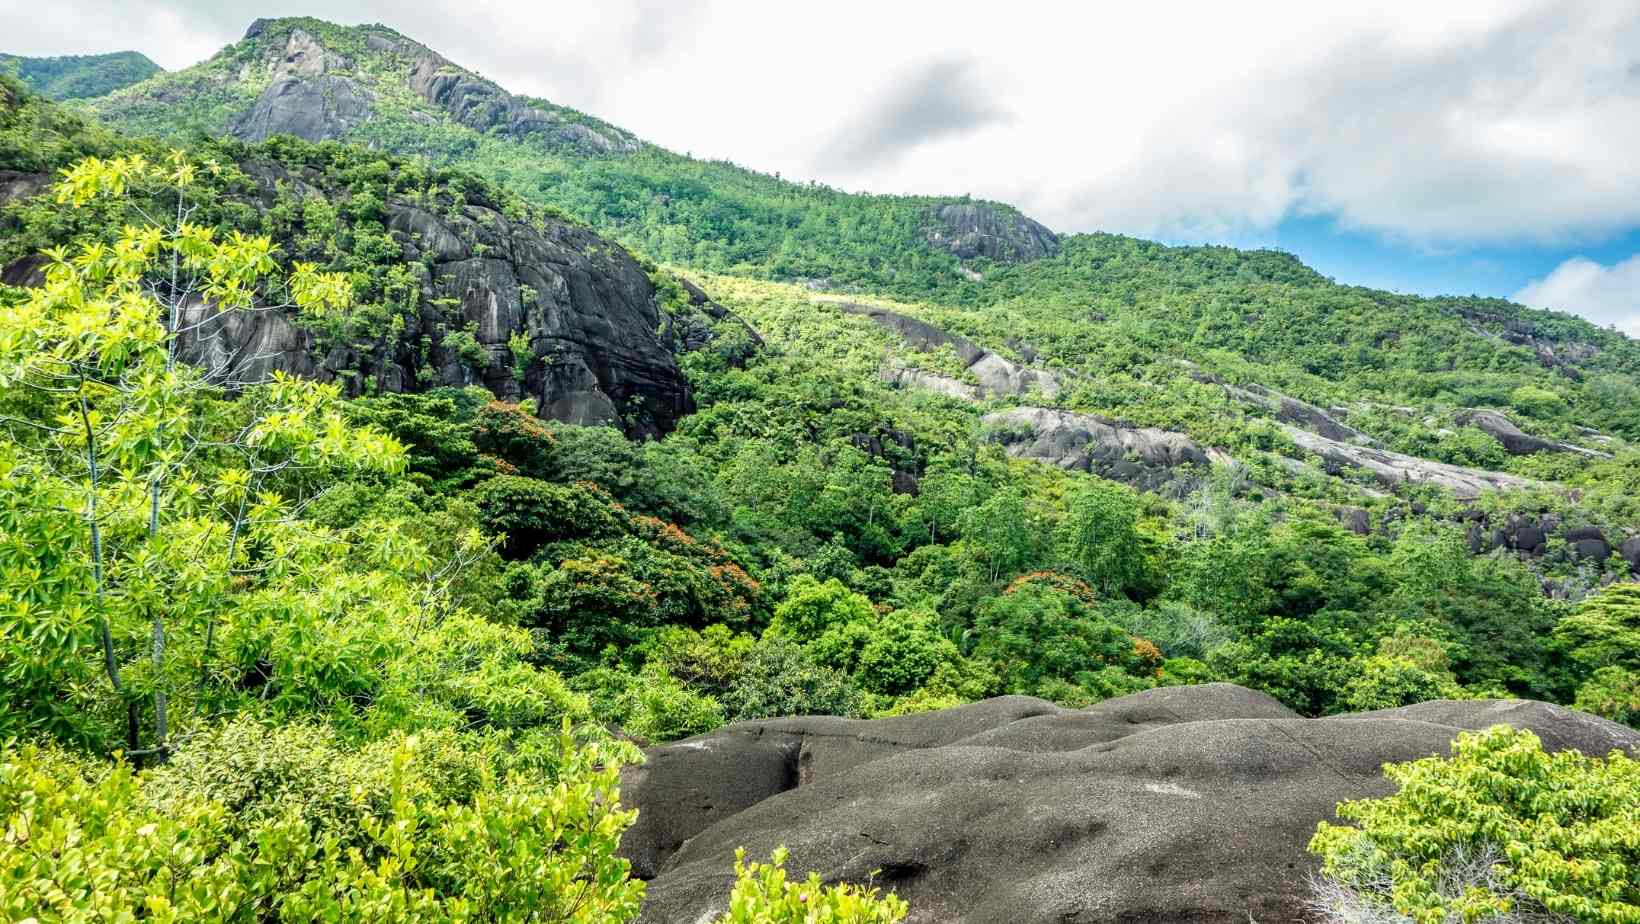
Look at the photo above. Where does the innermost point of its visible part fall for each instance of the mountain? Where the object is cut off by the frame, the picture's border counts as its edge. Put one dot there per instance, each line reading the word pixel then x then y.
pixel 460 283
pixel 1097 571
pixel 371 85
pixel 80 76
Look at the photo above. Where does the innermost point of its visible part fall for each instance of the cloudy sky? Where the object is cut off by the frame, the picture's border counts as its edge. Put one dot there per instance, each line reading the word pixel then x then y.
pixel 1446 146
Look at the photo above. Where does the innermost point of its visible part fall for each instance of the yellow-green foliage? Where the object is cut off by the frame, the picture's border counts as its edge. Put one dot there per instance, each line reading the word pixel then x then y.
pixel 261 825
pixel 763 895
pixel 1563 829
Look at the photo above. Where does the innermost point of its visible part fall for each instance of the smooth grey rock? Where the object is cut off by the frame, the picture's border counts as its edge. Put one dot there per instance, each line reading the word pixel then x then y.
pixel 15 186
pixel 1185 804
pixel 1517 442
pixel 1301 413
pixel 1142 456
pixel 1631 552
pixel 1588 543
pixel 323 108
pixel 1394 468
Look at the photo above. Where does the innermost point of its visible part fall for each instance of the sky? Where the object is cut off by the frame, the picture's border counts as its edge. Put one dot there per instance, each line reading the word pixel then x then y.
pixel 1435 147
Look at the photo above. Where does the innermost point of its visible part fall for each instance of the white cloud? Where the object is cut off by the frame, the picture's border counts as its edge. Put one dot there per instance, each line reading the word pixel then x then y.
pixel 1445 125
pixel 1603 294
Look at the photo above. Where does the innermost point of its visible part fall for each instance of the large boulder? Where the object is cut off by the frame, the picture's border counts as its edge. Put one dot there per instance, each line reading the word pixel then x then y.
pixel 1185 804
pixel 1145 457
pixel 1514 440
pixel 1394 469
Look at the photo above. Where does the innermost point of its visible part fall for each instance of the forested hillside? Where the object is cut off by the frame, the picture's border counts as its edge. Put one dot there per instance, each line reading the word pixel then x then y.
pixel 80 76
pixel 434 444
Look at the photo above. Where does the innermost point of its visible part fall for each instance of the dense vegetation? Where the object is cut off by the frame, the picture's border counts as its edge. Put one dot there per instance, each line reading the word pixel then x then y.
pixel 454 607
pixel 1500 831
pixel 80 76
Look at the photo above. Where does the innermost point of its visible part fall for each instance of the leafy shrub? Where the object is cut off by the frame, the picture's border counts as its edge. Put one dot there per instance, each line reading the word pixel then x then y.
pixel 533 513
pixel 1558 828
pixel 652 704
pixel 1612 693
pixel 763 895
pixel 293 829
pixel 778 678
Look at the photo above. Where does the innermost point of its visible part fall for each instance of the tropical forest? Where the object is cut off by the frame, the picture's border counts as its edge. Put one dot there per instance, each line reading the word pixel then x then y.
pixel 422 502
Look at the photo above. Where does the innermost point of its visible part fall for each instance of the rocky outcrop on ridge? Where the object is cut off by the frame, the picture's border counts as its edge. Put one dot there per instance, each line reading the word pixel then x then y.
pixel 317 94
pixel 1145 457
pixel 601 349
pixel 1181 804
pixel 1284 408
pixel 978 229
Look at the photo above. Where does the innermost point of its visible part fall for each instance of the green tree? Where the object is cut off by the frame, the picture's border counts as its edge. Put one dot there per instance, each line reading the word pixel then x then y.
pixel 121 444
pixel 1099 535
pixel 1501 826
pixel 1004 533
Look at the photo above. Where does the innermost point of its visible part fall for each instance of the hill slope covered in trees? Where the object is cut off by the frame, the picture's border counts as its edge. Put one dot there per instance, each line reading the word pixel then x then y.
pixel 80 76
pixel 915 452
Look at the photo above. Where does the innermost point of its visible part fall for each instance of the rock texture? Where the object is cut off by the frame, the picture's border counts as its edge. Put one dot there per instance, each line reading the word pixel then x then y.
pixel 1184 804
pixel 1284 408
pixel 1394 468
pixel 315 94
pixel 1513 439
pixel 15 185
pixel 995 375
pixel 978 229
pixel 1142 456
pixel 1299 413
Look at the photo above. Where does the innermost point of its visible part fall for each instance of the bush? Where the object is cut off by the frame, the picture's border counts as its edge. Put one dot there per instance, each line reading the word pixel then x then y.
pixel 533 513
pixel 1612 693
pixel 778 678
pixel 762 895
pixel 289 827
pixel 652 705
pixel 1558 830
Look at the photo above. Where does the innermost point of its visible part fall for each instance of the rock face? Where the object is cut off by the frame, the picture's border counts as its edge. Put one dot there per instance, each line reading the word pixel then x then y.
pixel 304 98
pixel 996 374
pixel 1285 408
pixel 1630 550
pixel 315 95
pixel 1183 804
pixel 1145 457
pixel 1394 468
pixel 601 350
pixel 324 108
pixel 15 185
pixel 977 229
pixel 1513 439
pixel 1300 413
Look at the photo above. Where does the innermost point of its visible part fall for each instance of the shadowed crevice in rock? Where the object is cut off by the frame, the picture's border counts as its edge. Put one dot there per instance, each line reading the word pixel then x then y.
pixel 1172 805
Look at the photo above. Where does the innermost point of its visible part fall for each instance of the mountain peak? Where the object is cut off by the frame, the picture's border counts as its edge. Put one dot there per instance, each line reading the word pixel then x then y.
pixel 326 82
